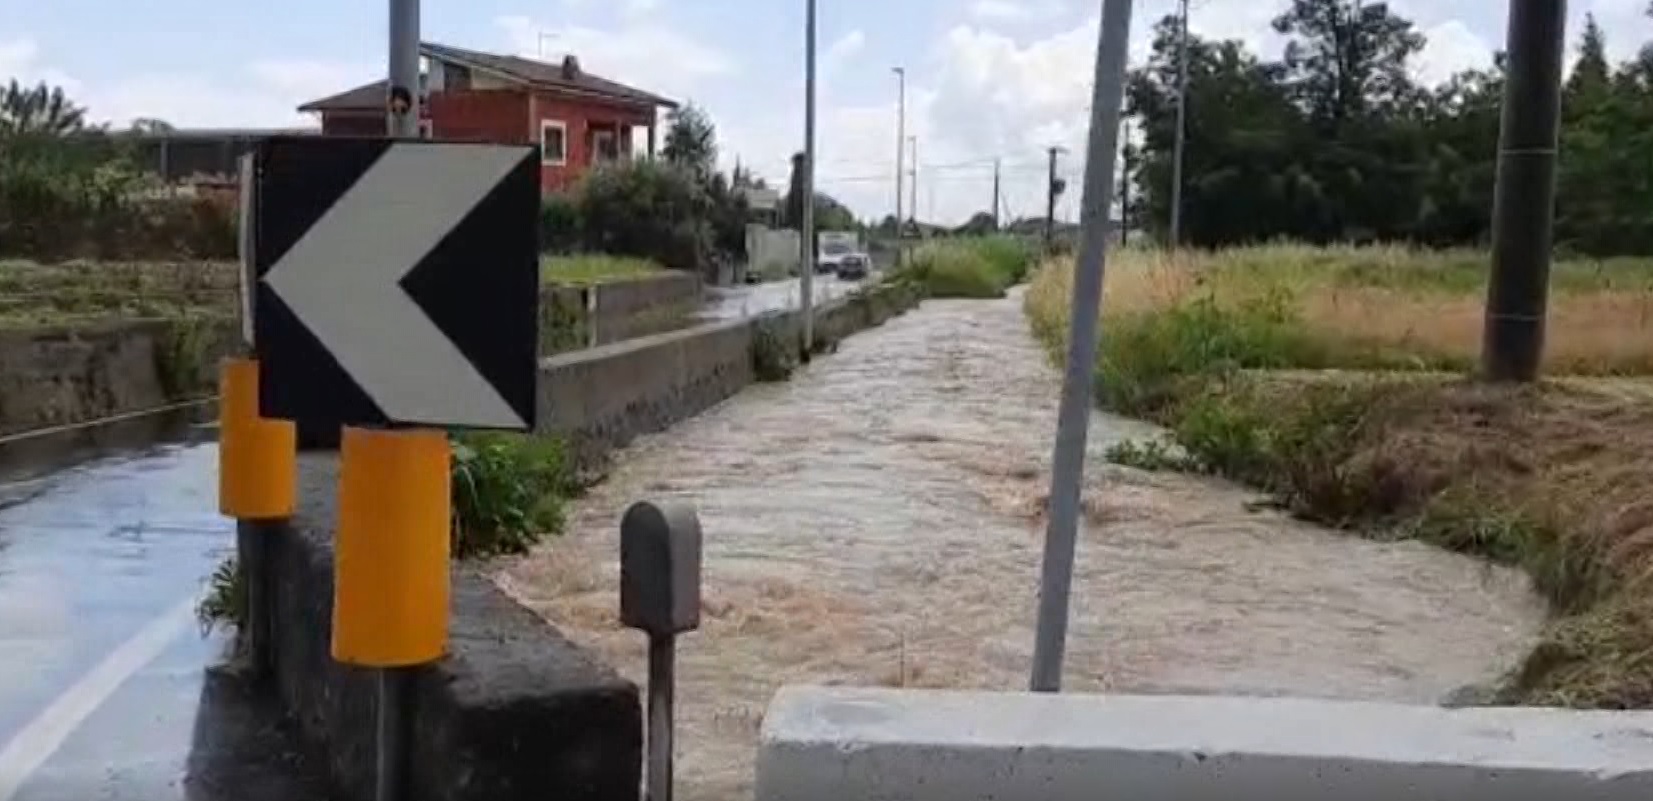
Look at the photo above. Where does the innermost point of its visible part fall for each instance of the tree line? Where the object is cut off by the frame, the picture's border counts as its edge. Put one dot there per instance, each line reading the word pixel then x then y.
pixel 1336 140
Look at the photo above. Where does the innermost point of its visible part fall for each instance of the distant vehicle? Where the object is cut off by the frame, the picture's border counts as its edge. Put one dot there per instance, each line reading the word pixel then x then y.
pixel 844 257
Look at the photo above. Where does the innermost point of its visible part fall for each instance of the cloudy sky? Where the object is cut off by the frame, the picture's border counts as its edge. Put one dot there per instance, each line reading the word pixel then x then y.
pixel 986 78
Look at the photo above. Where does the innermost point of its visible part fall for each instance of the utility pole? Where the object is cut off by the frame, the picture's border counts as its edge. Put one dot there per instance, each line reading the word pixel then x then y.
pixel 996 194
pixel 1073 420
pixel 1050 202
pixel 1523 210
pixel 1125 159
pixel 900 153
pixel 1182 124
pixel 912 187
pixel 402 106
pixel 806 269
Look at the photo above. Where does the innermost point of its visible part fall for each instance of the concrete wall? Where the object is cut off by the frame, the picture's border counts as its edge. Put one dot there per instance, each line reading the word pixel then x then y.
pixel 771 253
pixel 830 744
pixel 61 375
pixel 601 399
pixel 515 712
pixel 623 310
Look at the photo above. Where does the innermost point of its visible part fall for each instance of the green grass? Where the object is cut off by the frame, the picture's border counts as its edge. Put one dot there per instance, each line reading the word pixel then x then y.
pixel 1324 377
pixel 971 268
pixel 595 269
pixel 509 492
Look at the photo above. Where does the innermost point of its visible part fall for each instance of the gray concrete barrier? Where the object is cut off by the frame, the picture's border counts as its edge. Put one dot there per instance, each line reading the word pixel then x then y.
pixel 832 744
pixel 514 712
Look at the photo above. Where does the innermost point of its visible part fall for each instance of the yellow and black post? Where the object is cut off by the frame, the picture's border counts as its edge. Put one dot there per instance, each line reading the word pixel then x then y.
pixel 391 582
pixel 257 485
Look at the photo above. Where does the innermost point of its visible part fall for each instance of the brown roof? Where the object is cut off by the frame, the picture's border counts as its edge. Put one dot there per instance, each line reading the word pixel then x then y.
pixel 566 77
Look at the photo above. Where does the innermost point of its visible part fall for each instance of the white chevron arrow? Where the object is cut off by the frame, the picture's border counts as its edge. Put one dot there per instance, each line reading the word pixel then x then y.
pixel 341 280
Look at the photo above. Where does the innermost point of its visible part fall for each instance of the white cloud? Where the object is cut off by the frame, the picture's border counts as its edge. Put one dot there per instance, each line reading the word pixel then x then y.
pixel 844 48
pixel 1452 48
pixel 645 54
pixel 257 94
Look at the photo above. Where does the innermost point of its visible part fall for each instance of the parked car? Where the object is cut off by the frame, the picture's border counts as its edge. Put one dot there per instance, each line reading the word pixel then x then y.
pixel 843 259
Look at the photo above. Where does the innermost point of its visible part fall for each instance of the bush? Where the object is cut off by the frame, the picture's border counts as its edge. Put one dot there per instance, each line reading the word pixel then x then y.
pixel 560 229
pixel 225 603
pixel 649 209
pixel 509 492
pixel 971 268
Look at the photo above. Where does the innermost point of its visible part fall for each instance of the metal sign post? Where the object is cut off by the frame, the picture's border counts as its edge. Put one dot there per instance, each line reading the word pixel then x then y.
pixel 660 547
pixel 1073 421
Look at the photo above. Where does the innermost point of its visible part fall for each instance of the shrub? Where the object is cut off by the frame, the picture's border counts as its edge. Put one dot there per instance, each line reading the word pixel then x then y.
pixel 508 492
pixel 560 229
pixel 648 209
pixel 225 603
pixel 774 349
pixel 970 268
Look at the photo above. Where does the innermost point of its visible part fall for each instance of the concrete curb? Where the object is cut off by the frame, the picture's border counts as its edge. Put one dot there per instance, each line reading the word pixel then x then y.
pixel 514 712
pixel 830 744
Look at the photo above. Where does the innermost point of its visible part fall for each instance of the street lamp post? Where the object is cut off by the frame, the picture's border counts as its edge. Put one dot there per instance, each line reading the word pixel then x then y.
pixel 900 152
pixel 806 269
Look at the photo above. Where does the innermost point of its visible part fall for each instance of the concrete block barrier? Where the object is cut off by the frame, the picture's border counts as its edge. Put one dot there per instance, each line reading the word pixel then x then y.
pixel 832 744
pixel 515 711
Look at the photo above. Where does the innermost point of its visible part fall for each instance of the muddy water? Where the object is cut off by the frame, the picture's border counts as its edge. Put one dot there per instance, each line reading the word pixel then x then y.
pixel 876 521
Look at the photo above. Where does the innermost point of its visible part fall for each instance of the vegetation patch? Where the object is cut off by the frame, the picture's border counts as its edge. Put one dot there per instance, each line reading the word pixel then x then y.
pixel 1352 422
pixel 774 349
pixel 588 270
pixel 509 492
pixel 224 606
pixel 978 267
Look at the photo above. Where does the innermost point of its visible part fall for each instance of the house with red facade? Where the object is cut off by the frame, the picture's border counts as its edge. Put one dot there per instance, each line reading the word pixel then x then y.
pixel 578 119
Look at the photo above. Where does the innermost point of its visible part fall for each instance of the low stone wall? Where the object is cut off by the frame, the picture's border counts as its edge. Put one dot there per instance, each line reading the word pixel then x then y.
pixel 514 712
pixel 59 375
pixel 623 310
pixel 835 743
pixel 601 399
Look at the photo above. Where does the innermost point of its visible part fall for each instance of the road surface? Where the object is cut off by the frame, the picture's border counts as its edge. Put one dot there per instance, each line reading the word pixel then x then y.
pixel 108 688
pixel 730 303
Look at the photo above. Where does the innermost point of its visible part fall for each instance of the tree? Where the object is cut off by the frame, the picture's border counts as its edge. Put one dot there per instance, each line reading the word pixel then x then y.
pixel 41 109
pixel 691 140
pixel 1346 58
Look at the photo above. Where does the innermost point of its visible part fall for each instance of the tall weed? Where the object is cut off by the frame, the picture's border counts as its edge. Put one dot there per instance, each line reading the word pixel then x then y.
pixel 509 492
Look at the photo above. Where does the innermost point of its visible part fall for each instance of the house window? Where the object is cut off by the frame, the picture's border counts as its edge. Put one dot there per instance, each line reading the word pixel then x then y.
pixel 553 142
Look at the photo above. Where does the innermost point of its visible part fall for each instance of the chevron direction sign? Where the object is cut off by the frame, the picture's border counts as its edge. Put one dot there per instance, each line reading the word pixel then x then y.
pixel 397 282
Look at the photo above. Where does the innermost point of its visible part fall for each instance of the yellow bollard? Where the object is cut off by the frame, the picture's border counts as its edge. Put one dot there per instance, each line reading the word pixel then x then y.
pixel 257 458
pixel 390 590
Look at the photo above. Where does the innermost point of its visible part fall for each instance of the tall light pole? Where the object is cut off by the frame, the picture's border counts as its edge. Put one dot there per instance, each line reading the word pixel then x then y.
pixel 806 268
pixel 900 150
pixel 912 189
pixel 1182 125
pixel 1073 419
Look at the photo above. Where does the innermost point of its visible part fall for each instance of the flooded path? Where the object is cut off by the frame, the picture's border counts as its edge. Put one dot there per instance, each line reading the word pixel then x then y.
pixel 877 521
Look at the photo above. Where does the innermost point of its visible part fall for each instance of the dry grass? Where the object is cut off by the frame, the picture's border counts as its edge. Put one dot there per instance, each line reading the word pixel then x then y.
pixel 1402 303
pixel 1551 477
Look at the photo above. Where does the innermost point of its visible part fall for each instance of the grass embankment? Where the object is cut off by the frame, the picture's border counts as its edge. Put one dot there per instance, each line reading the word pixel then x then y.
pixel 982 267
pixel 1324 377
pixel 595 269
pixel 33 295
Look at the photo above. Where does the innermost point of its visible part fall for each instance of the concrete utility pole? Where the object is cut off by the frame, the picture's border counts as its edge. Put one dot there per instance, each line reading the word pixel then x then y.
pixel 1050 202
pixel 912 187
pixel 900 151
pixel 806 270
pixel 1523 210
pixel 1182 124
pixel 996 194
pixel 402 105
pixel 1073 421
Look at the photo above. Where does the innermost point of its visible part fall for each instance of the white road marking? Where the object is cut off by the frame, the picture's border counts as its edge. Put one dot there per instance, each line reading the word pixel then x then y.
pixel 41 738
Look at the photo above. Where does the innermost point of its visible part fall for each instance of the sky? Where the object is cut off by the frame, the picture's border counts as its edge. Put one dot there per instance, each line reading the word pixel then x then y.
pixel 986 79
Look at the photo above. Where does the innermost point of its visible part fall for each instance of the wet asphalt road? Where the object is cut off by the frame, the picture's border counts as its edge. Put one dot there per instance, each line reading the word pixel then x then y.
pixel 729 303
pixel 108 688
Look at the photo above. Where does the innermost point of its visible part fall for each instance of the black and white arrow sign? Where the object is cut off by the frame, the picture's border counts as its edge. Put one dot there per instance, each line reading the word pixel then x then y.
pixel 398 282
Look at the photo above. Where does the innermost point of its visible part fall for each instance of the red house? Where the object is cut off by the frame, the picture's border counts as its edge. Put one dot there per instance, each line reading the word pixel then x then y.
pixel 577 118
